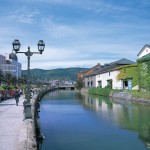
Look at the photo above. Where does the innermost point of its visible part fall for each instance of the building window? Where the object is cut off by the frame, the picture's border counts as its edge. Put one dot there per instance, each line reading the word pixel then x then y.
pixel 109 83
pixel 109 73
pixel 100 84
pixel 88 84
pixel 91 83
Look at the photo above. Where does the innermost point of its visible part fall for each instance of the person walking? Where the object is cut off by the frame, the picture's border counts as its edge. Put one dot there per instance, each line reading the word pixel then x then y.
pixel 17 95
pixel 0 96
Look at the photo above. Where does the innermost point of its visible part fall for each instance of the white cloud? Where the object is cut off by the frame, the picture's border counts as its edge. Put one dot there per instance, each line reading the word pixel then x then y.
pixel 60 58
pixel 79 42
pixel 24 15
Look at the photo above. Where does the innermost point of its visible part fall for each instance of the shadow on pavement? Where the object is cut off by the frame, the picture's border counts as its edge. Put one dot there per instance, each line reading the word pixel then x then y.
pixel 6 104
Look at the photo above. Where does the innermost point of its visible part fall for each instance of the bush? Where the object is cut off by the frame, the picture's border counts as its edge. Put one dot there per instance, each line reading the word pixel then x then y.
pixel 79 85
pixel 100 91
pixel 1 88
pixel 8 87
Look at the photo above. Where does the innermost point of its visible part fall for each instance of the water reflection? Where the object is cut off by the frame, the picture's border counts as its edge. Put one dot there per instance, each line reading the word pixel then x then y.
pixel 126 115
pixel 71 121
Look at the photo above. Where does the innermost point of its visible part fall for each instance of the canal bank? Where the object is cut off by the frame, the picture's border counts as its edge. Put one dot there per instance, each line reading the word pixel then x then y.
pixel 30 136
pixel 133 96
pixel 129 97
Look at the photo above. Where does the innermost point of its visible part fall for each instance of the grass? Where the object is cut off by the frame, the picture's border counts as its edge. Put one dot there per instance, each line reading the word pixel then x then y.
pixel 100 91
pixel 107 91
pixel 140 94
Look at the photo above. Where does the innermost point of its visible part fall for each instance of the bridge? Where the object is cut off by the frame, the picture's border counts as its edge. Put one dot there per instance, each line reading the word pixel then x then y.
pixel 67 87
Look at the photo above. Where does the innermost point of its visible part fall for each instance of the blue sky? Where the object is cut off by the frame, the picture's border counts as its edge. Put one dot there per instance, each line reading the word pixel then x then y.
pixel 77 33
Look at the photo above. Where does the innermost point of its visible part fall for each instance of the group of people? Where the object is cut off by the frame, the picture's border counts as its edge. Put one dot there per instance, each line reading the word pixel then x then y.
pixel 15 93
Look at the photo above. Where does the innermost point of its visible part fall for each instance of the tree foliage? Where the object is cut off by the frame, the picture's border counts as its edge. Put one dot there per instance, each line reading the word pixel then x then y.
pixel 59 74
pixel 144 74
pixel 79 85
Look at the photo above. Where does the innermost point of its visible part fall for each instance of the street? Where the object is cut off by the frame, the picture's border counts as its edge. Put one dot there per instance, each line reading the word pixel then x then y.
pixel 11 118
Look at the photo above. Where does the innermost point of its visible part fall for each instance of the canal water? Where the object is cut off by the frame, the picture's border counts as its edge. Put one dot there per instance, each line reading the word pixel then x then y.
pixel 71 121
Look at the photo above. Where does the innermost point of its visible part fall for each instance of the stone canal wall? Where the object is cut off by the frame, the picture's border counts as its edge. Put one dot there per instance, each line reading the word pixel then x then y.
pixel 123 95
pixel 129 97
pixel 27 135
pixel 30 135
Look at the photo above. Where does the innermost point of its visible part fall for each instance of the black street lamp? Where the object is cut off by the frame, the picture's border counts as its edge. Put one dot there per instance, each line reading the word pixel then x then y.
pixel 16 47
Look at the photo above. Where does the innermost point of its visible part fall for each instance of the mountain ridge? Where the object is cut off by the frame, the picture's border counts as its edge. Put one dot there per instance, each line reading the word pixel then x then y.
pixel 54 74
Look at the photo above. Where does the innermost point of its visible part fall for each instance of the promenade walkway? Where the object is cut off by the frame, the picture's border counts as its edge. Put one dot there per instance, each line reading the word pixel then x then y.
pixel 11 118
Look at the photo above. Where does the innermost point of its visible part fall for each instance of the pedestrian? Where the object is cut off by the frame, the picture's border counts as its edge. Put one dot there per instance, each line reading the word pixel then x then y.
pixel 33 91
pixel 17 95
pixel 12 93
pixel 0 96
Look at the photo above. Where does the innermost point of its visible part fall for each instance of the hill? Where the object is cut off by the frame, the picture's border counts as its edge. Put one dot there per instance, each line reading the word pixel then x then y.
pixel 54 74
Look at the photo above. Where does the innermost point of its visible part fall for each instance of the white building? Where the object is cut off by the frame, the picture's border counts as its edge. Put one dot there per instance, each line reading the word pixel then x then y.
pixel 107 76
pixel 144 51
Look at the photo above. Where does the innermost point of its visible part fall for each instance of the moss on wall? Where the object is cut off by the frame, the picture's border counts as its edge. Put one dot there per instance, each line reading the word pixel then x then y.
pixel 129 71
pixel 144 73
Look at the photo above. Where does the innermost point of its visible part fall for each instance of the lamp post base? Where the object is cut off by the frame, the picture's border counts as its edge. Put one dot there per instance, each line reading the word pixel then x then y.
pixel 27 110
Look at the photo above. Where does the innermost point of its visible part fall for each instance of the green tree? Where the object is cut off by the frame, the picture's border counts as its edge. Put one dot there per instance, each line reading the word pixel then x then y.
pixel 8 77
pixel 13 80
pixel 1 76
pixel 79 85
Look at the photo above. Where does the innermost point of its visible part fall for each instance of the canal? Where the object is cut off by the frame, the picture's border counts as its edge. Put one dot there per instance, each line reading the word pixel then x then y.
pixel 71 121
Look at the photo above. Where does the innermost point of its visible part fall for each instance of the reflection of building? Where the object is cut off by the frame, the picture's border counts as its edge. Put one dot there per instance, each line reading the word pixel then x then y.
pixel 127 116
pixel 92 103
pixel 8 65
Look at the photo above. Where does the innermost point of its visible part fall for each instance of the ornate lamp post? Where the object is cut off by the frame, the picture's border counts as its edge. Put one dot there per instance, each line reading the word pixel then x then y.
pixel 16 47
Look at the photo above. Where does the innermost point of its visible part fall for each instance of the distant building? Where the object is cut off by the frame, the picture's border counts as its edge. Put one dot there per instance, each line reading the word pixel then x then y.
pixel 80 75
pixel 89 76
pixel 9 65
pixel 2 59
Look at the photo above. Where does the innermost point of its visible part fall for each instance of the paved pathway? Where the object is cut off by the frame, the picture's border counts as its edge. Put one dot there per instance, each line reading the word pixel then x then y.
pixel 11 118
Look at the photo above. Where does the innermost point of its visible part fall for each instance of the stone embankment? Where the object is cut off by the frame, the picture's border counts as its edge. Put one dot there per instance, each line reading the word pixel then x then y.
pixel 27 136
pixel 30 131
pixel 124 96
pixel 129 97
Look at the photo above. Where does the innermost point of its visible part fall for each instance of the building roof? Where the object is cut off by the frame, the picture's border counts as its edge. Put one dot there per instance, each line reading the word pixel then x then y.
pixel 115 65
pixel 147 45
pixel 92 70
pixel 109 67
